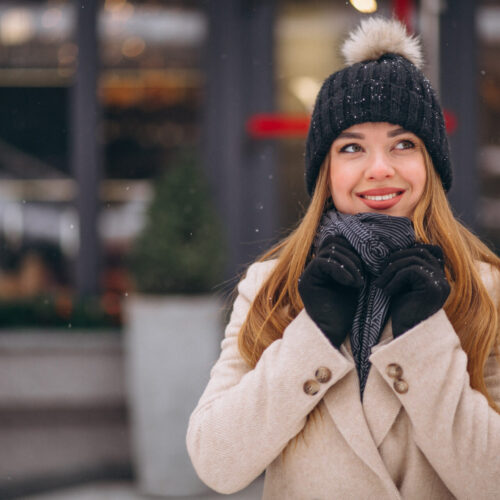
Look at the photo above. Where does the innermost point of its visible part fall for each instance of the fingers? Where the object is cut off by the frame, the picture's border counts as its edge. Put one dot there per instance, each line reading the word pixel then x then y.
pixel 407 278
pixel 435 250
pixel 336 241
pixel 338 269
pixel 336 263
pixel 431 254
pixel 419 267
pixel 338 244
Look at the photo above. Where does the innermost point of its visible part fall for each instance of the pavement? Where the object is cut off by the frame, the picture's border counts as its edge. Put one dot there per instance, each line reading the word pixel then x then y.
pixel 125 490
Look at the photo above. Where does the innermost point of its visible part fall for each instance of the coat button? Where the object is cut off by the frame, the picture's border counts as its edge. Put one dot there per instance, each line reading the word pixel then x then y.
pixel 394 370
pixel 311 387
pixel 401 386
pixel 323 374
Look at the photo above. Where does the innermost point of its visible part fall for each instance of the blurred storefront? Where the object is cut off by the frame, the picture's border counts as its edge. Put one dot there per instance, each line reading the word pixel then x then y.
pixel 232 80
pixel 158 91
pixel 149 87
pixel 488 75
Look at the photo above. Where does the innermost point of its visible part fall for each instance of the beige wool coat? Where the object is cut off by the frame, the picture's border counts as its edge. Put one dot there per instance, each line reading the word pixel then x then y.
pixel 420 432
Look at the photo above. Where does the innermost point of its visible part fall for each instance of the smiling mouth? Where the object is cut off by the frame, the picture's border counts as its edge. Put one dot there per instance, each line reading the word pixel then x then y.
pixel 383 197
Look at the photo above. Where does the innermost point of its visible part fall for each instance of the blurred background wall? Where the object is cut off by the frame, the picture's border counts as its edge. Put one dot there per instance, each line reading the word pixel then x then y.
pixel 100 101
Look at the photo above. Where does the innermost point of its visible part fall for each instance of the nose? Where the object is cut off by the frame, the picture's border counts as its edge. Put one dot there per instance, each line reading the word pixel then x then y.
pixel 378 167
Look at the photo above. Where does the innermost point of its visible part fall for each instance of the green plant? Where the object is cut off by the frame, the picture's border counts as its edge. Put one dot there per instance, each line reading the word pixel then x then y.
pixel 58 311
pixel 180 249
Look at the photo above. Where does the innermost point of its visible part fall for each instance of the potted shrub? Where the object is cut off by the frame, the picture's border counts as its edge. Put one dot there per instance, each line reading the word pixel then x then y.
pixel 172 325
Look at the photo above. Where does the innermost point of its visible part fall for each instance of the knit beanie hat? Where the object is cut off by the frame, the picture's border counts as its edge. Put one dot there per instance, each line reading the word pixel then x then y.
pixel 382 82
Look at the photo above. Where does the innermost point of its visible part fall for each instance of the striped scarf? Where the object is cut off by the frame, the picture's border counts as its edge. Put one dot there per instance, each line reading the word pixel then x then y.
pixel 374 236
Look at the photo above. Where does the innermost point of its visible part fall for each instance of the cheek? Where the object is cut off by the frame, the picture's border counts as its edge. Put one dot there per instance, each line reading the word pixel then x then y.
pixel 341 182
pixel 418 179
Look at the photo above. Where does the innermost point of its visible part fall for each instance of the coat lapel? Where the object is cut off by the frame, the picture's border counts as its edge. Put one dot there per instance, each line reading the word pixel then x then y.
pixel 362 434
pixel 347 414
pixel 380 418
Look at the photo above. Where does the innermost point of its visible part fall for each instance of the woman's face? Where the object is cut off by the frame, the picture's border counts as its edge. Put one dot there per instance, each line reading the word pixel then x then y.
pixel 377 167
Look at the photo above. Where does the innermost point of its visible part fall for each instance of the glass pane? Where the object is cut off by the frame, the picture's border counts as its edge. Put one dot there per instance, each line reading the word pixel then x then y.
pixel 488 26
pixel 37 220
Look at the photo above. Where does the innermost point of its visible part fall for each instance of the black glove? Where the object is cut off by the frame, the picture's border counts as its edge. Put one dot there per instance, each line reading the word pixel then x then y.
pixel 414 279
pixel 329 288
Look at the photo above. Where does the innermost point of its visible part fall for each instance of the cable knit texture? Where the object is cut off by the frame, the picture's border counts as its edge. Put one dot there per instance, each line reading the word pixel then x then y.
pixel 390 89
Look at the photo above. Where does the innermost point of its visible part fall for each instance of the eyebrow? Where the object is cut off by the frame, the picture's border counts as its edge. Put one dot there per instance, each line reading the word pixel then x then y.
pixel 350 135
pixel 397 131
pixel 354 135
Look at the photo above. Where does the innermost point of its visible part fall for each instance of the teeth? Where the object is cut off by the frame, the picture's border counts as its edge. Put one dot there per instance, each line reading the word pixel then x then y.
pixel 381 198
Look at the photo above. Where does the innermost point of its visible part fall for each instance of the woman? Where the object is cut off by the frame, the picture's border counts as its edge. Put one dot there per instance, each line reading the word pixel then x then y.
pixel 360 358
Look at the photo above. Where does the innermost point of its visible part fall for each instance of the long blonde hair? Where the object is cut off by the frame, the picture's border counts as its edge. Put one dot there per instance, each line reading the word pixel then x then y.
pixel 469 307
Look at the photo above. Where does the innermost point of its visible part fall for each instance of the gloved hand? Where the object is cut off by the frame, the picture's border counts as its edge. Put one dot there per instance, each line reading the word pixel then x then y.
pixel 329 288
pixel 414 278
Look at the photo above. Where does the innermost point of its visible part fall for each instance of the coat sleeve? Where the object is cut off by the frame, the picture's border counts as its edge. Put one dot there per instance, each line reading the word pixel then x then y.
pixel 245 417
pixel 453 425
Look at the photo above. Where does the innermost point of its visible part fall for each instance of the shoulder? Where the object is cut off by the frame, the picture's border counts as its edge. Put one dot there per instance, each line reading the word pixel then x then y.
pixel 490 276
pixel 255 277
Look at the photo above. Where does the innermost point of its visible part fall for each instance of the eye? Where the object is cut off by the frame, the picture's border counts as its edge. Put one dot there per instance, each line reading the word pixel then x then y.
pixel 405 144
pixel 351 148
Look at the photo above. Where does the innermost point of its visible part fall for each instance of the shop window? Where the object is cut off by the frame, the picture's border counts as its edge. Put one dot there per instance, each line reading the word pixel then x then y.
pixel 150 92
pixel 488 28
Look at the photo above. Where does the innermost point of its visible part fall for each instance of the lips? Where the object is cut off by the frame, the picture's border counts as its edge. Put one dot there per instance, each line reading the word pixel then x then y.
pixel 381 198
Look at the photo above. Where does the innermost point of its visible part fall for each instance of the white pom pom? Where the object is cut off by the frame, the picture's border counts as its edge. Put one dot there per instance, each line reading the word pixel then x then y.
pixel 376 36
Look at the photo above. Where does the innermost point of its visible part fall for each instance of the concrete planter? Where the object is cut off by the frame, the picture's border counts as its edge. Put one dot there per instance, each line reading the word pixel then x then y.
pixel 171 344
pixel 62 408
